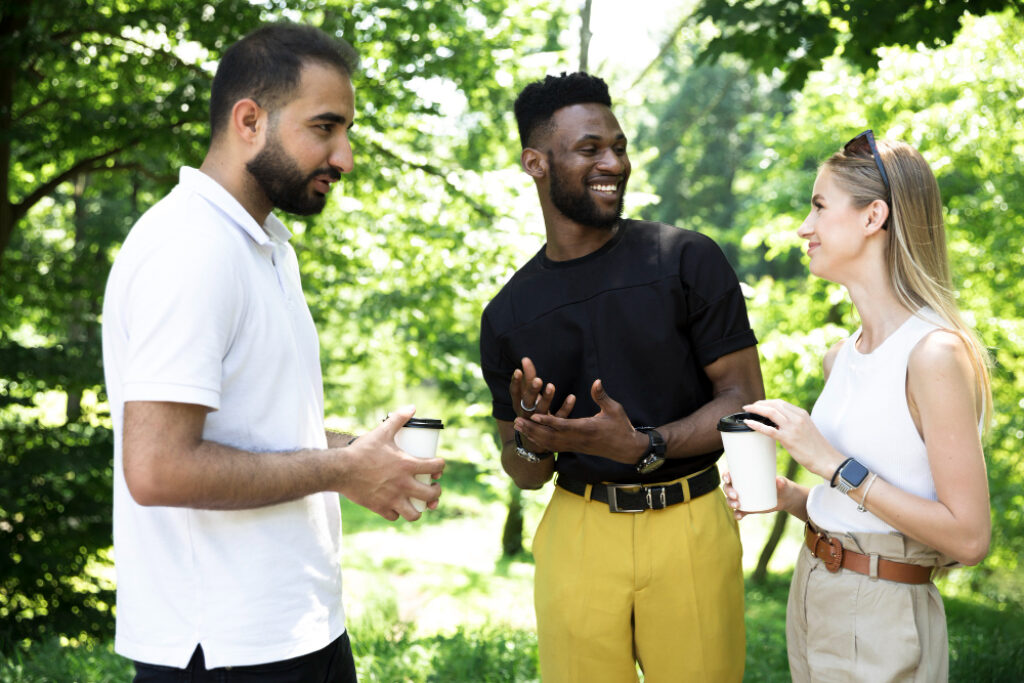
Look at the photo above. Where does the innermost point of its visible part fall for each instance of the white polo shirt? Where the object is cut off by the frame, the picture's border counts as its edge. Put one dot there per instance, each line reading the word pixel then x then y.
pixel 205 306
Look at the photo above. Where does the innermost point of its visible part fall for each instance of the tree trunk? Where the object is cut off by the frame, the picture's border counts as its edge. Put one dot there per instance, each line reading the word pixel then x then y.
pixel 585 34
pixel 512 534
pixel 78 326
pixel 761 571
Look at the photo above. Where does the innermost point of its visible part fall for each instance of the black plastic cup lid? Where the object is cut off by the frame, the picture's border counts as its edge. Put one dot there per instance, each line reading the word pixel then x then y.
pixel 734 422
pixel 424 423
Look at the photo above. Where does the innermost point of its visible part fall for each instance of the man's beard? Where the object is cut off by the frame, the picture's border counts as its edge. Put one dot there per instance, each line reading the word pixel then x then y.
pixel 580 206
pixel 283 182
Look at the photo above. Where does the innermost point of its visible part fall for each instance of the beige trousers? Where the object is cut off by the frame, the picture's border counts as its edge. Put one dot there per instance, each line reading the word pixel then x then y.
pixel 849 627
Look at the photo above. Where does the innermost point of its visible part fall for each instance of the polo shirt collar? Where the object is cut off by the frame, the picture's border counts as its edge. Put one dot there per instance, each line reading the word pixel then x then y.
pixel 272 230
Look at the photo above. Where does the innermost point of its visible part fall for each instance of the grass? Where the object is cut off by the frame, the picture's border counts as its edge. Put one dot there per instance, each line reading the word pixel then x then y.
pixel 434 601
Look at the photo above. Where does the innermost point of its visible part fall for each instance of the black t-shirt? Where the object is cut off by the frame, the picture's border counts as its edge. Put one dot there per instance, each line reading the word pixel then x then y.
pixel 645 313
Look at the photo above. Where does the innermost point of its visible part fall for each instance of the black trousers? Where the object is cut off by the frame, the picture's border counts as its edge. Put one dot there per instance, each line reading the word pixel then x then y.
pixel 332 664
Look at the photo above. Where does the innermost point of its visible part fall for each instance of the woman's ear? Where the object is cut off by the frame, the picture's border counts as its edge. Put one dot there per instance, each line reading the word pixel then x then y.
pixel 877 213
pixel 534 162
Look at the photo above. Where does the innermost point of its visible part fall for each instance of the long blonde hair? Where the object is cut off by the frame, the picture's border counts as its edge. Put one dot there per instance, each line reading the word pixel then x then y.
pixel 916 254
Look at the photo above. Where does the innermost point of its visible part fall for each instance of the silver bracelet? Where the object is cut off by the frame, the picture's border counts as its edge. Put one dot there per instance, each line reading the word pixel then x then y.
pixel 867 490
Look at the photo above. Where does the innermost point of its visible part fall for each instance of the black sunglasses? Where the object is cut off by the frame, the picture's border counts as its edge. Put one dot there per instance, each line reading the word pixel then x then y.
pixel 863 145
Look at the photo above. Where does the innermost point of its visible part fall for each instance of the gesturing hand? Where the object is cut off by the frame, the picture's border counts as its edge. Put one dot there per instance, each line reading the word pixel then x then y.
pixel 608 434
pixel 530 395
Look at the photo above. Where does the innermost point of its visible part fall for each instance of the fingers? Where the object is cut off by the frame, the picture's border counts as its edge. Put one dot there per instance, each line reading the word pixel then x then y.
pixel 545 399
pixel 762 428
pixel 390 515
pixel 529 370
pixel 731 496
pixel 775 409
pixel 431 466
pixel 528 391
pixel 567 405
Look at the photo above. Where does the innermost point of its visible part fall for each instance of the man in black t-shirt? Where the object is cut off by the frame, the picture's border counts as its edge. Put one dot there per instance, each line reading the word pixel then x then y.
pixel 610 357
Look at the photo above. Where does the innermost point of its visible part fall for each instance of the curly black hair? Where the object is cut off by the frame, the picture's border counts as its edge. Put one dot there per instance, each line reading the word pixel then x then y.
pixel 539 101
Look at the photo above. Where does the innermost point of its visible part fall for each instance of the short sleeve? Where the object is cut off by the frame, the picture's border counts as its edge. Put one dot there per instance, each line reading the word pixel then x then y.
pixel 497 371
pixel 717 323
pixel 181 307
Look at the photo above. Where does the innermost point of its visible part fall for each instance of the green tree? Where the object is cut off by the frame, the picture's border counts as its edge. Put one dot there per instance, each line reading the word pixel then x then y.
pixel 100 102
pixel 966 125
pixel 797 37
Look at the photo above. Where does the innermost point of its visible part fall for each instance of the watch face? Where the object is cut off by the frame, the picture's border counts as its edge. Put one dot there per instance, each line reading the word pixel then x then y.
pixel 527 455
pixel 649 463
pixel 853 473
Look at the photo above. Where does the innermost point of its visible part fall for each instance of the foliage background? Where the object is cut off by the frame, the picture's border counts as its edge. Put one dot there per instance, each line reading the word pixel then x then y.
pixel 101 101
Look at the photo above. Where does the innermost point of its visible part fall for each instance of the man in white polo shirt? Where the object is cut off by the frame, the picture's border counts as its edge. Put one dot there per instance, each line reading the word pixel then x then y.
pixel 226 516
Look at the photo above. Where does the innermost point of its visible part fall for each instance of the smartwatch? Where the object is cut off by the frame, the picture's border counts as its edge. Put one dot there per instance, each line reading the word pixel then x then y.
pixel 655 455
pixel 850 475
pixel 525 453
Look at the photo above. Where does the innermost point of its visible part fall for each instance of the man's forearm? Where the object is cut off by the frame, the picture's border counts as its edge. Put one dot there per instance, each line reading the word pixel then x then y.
pixel 213 476
pixel 697 433
pixel 525 474
pixel 736 381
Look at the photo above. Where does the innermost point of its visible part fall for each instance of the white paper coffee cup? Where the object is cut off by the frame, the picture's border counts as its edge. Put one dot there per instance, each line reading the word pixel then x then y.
pixel 419 438
pixel 751 459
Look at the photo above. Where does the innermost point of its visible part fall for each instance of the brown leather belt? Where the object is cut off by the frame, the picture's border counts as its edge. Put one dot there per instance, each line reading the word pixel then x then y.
pixel 829 550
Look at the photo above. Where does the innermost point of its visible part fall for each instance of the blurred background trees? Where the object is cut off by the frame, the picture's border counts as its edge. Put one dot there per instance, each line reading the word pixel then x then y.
pixel 102 100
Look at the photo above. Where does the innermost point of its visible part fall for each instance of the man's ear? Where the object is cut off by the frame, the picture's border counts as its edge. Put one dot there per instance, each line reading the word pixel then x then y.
pixel 877 213
pixel 248 120
pixel 534 162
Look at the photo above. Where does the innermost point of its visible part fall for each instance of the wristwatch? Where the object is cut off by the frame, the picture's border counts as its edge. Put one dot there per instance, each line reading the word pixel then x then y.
pixel 655 455
pixel 526 454
pixel 850 475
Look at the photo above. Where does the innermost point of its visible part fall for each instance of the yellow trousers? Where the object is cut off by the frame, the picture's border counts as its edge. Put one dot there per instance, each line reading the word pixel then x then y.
pixel 662 588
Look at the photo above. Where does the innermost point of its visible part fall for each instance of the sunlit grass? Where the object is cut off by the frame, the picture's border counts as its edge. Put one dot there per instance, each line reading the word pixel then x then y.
pixel 436 601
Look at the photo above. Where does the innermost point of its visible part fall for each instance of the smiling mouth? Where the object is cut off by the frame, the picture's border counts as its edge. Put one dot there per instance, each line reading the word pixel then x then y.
pixel 604 188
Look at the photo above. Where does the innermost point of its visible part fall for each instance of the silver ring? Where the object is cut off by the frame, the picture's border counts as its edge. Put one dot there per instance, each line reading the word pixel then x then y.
pixel 530 410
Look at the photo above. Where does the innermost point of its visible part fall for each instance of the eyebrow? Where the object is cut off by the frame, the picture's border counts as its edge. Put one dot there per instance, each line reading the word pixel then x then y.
pixel 331 117
pixel 818 196
pixel 586 137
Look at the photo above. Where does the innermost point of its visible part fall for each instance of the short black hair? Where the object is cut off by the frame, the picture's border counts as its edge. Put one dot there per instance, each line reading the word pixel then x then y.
pixel 266 65
pixel 539 100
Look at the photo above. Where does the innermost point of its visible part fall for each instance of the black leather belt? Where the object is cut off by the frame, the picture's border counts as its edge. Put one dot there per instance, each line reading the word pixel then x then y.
pixel 641 497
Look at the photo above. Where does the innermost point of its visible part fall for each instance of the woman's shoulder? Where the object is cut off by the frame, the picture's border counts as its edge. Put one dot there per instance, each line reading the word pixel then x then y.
pixel 938 348
pixel 940 362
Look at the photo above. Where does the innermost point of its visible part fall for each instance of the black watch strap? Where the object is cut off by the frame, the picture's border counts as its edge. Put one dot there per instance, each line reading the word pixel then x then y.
pixel 655 455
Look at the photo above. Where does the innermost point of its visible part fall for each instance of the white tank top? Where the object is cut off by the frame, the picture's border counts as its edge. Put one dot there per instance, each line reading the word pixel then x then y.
pixel 863 413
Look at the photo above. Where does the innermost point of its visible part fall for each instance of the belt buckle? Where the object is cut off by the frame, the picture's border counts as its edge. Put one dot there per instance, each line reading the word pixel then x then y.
pixel 613 497
pixel 834 559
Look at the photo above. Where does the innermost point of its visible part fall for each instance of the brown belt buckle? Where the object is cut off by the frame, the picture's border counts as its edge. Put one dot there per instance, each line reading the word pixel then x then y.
pixel 834 559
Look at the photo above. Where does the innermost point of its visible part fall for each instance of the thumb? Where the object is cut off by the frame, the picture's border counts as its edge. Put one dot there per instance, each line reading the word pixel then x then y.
pixel 397 419
pixel 601 396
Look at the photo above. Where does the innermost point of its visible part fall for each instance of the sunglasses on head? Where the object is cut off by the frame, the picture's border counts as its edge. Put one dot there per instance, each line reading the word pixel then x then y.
pixel 863 145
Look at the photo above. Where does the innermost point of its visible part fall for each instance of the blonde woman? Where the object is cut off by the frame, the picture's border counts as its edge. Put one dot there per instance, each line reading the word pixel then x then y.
pixel 895 434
